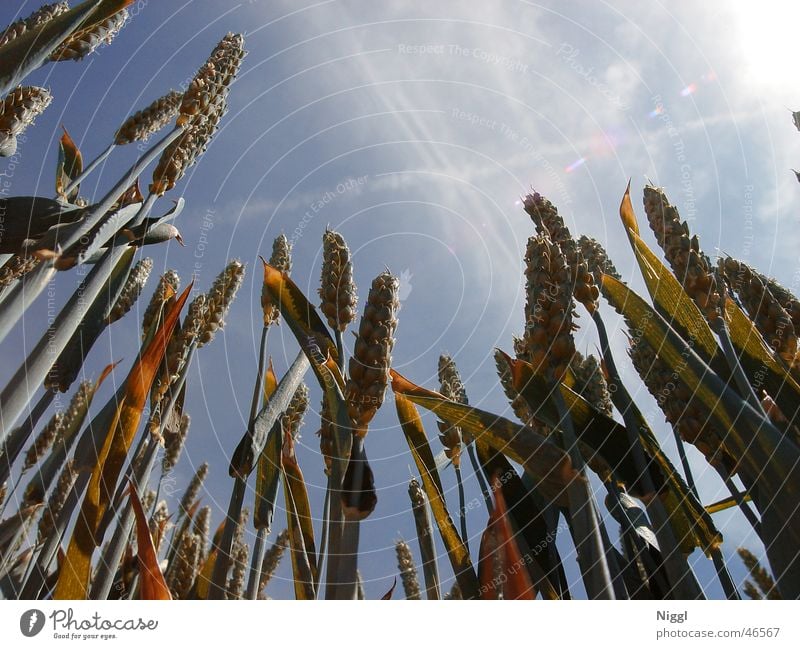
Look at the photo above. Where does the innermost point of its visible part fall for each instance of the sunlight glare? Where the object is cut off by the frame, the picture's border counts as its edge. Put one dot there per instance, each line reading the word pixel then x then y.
pixel 767 40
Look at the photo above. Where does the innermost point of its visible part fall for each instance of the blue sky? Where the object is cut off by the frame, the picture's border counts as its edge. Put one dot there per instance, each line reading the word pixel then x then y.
pixel 413 128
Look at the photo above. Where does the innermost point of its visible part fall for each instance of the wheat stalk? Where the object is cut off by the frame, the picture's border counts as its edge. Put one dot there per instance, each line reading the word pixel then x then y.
pixel 408 571
pixel 131 290
pixel 281 259
pixel 372 355
pixel 42 15
pixel 174 441
pixel 190 497
pixel 144 123
pixel 337 288
pixel 682 251
pixel 766 312
pixel 548 221
pixel 168 285
pixel 86 40
pixel 57 499
pixel 18 110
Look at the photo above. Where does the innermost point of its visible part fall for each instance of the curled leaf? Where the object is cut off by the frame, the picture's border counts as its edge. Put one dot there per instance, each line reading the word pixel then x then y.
pixel 151 579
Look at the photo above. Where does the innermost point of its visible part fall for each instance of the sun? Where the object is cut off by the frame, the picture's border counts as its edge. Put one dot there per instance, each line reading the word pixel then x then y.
pixel 767 38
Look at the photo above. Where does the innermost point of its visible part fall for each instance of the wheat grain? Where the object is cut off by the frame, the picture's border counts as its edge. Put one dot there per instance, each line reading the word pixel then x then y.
pixel 281 259
pixel 518 404
pixel 184 151
pixel 682 251
pixel 57 499
pixel 549 308
pixel 202 528
pixel 15 268
pixel 185 565
pixel 451 386
pixel 39 17
pixel 238 572
pixel 766 584
pixel 272 559
pixel 18 111
pixel 219 299
pixel 785 297
pixel 766 312
pixel 408 572
pixel 688 416
pixel 132 289
pixel 158 521
pixel 144 123
pixel 337 288
pixel 174 441
pixel 238 550
pixel 44 440
pixel 372 356
pixel 590 382
pixel 292 418
pixel 597 258
pixel 168 285
pixel 548 221
pixel 70 418
pixel 192 492
pixel 86 40
pixel 210 85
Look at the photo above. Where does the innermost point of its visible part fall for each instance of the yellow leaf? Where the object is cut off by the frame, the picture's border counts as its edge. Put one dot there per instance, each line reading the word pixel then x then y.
pixel 300 524
pixel 70 166
pixel 542 459
pixel 73 581
pixel 665 289
pixel 270 382
pixel 152 584
pixel 426 465
pixel 749 340
pixel 302 317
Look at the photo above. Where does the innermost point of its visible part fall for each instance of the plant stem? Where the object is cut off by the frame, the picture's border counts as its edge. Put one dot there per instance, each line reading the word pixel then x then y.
pixel 259 550
pixel 743 506
pixel 422 520
pixel 462 507
pixel 219 577
pixel 584 521
pixel 85 173
pixel 682 579
pixel 340 351
pixel 25 291
pixel 323 541
pixel 34 369
pixel 16 441
pixel 479 474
